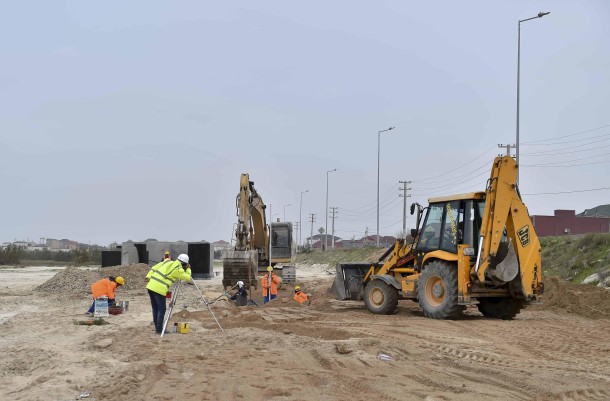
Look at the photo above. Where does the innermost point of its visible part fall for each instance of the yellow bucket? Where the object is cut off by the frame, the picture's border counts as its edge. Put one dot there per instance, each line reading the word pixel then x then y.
pixel 183 328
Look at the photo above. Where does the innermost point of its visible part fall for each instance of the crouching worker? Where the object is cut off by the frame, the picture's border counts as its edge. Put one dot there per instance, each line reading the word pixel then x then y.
pixel 299 295
pixel 160 278
pixel 241 296
pixel 105 287
pixel 269 282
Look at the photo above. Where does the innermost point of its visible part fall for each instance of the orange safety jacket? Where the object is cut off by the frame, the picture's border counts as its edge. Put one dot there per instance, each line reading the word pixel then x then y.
pixel 104 287
pixel 300 297
pixel 275 280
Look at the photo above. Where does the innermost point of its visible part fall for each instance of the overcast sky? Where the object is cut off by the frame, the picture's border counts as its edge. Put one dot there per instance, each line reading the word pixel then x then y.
pixel 131 120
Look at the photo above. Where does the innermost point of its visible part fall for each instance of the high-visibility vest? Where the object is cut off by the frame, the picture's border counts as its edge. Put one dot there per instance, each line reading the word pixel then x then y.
pixel 275 280
pixel 163 275
pixel 300 297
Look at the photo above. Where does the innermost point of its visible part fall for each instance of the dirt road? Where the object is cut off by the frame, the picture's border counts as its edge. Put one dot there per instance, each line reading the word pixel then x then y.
pixel 328 350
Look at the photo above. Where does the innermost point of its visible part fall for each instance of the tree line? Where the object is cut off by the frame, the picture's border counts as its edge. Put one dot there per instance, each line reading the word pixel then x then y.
pixel 13 255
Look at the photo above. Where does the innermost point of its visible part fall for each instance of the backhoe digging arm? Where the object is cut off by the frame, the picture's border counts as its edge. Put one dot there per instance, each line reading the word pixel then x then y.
pixel 505 209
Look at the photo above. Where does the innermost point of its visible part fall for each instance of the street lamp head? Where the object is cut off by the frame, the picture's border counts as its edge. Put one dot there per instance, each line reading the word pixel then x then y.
pixel 542 14
pixel 330 171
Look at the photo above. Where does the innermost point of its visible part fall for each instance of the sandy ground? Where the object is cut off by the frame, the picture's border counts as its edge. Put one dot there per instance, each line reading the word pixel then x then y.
pixel 328 350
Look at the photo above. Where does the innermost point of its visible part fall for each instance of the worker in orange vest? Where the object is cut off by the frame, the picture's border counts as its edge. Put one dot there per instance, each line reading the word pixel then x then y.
pixel 105 287
pixel 270 281
pixel 299 295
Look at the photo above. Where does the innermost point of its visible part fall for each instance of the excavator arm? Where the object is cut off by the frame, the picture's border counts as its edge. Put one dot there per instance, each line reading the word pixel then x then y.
pixel 505 213
pixel 251 230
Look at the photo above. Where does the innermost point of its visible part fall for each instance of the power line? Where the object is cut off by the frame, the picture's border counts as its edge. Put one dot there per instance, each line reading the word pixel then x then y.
pixel 456 168
pixel 567 165
pixel 566 136
pixel 568 192
pixel 546 153
pixel 560 143
pixel 582 158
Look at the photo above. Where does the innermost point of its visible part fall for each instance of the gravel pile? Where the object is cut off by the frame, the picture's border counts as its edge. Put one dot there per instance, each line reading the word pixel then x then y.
pixel 78 281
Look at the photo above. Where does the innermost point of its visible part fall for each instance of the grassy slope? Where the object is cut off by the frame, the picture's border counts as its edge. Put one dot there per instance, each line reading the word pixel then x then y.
pixel 332 257
pixel 570 257
pixel 575 257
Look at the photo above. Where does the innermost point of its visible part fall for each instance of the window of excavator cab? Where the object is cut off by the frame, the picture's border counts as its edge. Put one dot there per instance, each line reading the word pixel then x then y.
pixel 477 219
pixel 279 237
pixel 430 233
pixel 452 223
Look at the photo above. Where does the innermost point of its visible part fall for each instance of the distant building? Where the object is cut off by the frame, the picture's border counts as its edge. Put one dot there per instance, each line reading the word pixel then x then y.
pixel 566 222
pixel 221 245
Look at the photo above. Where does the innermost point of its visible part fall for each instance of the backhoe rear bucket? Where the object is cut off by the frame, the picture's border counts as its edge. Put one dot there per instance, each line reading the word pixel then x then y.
pixel 348 280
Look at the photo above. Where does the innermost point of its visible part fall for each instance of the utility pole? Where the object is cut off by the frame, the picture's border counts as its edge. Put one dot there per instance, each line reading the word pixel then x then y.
pixel 333 216
pixel 404 206
pixel 297 228
pixel 508 147
pixel 312 219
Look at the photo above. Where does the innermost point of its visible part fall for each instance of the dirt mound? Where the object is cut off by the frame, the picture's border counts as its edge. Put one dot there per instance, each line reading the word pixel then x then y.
pixel 581 299
pixel 75 280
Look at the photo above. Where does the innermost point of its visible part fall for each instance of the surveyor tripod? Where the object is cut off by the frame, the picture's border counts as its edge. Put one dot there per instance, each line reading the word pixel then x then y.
pixel 173 302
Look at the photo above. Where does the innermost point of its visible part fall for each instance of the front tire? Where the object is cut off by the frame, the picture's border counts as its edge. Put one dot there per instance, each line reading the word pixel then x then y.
pixel 380 298
pixel 500 308
pixel 437 291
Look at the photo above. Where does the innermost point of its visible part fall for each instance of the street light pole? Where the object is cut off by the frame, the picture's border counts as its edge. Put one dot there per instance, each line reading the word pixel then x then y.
pixel 378 160
pixel 285 210
pixel 326 211
pixel 300 217
pixel 540 15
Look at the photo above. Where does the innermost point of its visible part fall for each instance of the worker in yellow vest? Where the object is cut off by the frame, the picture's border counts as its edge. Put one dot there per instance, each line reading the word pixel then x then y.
pixel 160 278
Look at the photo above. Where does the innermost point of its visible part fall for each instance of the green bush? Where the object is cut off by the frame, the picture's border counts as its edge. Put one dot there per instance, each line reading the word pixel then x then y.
pixel 11 255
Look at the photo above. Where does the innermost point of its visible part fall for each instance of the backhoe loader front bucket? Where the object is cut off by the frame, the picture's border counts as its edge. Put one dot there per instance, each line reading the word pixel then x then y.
pixel 348 280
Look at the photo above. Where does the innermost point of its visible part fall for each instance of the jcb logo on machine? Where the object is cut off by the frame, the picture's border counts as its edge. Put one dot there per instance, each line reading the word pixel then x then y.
pixel 524 235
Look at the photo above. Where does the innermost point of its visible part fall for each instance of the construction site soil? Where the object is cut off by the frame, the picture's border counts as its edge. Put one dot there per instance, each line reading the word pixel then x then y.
pixel 324 350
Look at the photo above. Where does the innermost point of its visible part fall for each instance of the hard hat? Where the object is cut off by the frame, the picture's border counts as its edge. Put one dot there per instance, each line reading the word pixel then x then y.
pixel 240 284
pixel 166 252
pixel 184 258
pixel 119 280
pixel 297 288
pixel 269 268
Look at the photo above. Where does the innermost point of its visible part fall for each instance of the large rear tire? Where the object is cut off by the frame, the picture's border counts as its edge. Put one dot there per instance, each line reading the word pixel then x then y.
pixel 500 308
pixel 437 291
pixel 380 298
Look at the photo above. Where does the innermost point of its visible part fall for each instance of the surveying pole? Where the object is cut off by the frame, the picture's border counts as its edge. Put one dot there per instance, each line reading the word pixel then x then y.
pixel 404 206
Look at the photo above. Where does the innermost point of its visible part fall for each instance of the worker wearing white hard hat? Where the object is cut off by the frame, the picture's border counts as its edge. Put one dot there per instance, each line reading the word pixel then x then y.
pixel 241 296
pixel 160 278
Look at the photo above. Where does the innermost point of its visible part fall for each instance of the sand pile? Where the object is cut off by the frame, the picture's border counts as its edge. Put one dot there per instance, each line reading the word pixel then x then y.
pixel 75 280
pixel 581 299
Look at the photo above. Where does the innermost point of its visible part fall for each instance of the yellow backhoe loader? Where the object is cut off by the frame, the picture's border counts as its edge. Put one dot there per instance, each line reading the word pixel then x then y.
pixel 473 249
pixel 252 246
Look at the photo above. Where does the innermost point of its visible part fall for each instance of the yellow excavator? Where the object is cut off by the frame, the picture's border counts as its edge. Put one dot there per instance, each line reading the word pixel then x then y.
pixel 251 253
pixel 473 249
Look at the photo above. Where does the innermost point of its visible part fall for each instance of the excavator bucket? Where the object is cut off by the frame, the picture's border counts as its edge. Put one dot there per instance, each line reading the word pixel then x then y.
pixel 239 266
pixel 348 280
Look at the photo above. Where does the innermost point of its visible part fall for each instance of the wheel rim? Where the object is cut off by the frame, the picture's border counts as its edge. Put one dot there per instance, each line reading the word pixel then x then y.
pixel 376 297
pixel 435 291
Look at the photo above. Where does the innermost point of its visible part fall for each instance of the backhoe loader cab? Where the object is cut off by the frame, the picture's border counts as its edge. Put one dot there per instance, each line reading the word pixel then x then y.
pixel 477 248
